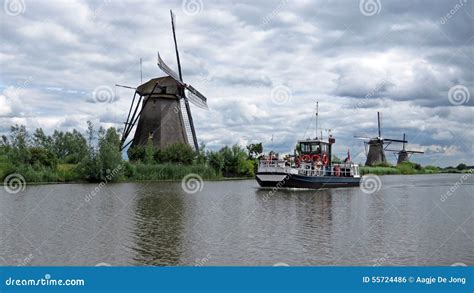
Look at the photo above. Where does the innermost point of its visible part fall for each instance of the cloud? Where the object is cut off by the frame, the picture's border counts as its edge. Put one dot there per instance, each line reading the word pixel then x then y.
pixel 402 61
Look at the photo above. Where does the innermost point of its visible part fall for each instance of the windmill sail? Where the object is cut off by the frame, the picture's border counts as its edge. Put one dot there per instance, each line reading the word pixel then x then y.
pixel 187 125
pixel 168 70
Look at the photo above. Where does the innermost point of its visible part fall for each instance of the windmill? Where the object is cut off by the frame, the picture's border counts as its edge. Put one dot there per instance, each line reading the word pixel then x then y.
pixel 161 108
pixel 403 154
pixel 376 146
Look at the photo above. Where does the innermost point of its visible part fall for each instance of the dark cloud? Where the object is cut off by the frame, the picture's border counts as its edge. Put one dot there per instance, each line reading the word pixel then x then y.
pixel 402 61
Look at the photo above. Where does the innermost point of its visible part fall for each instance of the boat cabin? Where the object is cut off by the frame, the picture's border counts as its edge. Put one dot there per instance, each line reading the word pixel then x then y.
pixel 312 147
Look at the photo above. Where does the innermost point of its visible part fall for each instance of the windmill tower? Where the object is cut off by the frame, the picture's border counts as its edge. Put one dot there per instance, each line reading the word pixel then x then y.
pixel 375 146
pixel 403 154
pixel 161 108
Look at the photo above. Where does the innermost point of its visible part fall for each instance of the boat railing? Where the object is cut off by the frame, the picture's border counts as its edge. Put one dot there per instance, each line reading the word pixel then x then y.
pixel 340 170
pixel 310 169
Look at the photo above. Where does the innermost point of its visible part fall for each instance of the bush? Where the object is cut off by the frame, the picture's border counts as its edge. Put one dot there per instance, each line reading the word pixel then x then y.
pixel 177 153
pixel 136 154
pixel 408 168
pixel 170 171
pixel 42 157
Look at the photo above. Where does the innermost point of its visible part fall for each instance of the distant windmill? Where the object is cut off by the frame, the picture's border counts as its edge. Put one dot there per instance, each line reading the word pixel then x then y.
pixel 376 146
pixel 162 109
pixel 403 154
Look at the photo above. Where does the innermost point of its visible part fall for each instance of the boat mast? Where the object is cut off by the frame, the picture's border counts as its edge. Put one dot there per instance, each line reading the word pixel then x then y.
pixel 317 106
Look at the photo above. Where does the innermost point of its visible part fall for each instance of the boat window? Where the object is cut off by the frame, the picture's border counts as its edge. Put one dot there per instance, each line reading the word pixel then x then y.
pixel 305 148
pixel 315 148
pixel 325 148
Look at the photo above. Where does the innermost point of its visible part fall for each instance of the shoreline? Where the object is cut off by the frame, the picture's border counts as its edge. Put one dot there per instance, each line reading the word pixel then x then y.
pixel 210 180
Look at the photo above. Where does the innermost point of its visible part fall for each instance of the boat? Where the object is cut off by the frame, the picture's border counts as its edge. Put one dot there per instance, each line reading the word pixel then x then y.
pixel 310 166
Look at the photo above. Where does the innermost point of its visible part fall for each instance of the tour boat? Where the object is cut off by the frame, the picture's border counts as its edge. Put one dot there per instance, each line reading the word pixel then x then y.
pixel 310 166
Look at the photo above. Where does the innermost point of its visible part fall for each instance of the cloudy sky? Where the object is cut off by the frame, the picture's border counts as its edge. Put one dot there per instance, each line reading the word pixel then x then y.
pixel 261 64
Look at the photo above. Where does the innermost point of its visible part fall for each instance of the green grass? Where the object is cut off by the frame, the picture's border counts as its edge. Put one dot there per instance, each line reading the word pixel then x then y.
pixel 379 170
pixel 141 172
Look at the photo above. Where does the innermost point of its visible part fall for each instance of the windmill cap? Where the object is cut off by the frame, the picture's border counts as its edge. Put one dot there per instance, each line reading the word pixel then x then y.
pixel 165 81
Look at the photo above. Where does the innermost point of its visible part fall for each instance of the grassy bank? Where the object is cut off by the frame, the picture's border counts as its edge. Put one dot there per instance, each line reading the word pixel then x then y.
pixel 68 173
pixel 408 168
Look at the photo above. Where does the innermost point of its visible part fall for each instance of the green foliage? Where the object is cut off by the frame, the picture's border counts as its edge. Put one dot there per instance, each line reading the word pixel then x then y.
pixel 407 168
pixel 136 154
pixel 254 150
pixel 104 164
pixel 42 157
pixel 141 171
pixel 149 152
pixel 461 166
pixel 177 153
pixel 379 170
pixel 216 161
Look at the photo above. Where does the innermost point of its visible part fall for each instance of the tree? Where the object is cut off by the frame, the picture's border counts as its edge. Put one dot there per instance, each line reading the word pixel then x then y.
pixel 461 166
pixel 42 157
pixel 178 153
pixel 254 150
pixel 149 152
pixel 20 141
pixel 216 160
pixel 104 162
pixel 136 153
pixel 110 157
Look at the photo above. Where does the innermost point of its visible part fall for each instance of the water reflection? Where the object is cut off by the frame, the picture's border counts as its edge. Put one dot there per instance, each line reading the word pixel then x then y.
pixel 159 225
pixel 235 223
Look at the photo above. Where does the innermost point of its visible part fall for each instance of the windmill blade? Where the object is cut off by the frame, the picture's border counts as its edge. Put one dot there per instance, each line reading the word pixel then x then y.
pixel 168 70
pixel 176 45
pixel 415 152
pixel 394 140
pixel 195 97
pixel 364 138
pixel 126 86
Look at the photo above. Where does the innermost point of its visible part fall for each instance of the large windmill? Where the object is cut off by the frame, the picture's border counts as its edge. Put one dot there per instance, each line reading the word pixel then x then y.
pixel 375 146
pixel 161 108
pixel 403 154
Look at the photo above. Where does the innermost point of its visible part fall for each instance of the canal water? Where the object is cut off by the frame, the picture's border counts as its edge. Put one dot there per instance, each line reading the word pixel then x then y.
pixel 403 220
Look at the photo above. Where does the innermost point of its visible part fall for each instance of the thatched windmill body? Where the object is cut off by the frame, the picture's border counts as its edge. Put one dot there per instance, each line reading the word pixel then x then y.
pixel 161 107
pixel 375 146
pixel 404 155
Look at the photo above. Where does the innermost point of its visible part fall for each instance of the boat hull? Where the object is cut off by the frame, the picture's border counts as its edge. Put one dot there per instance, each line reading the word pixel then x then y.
pixel 284 180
